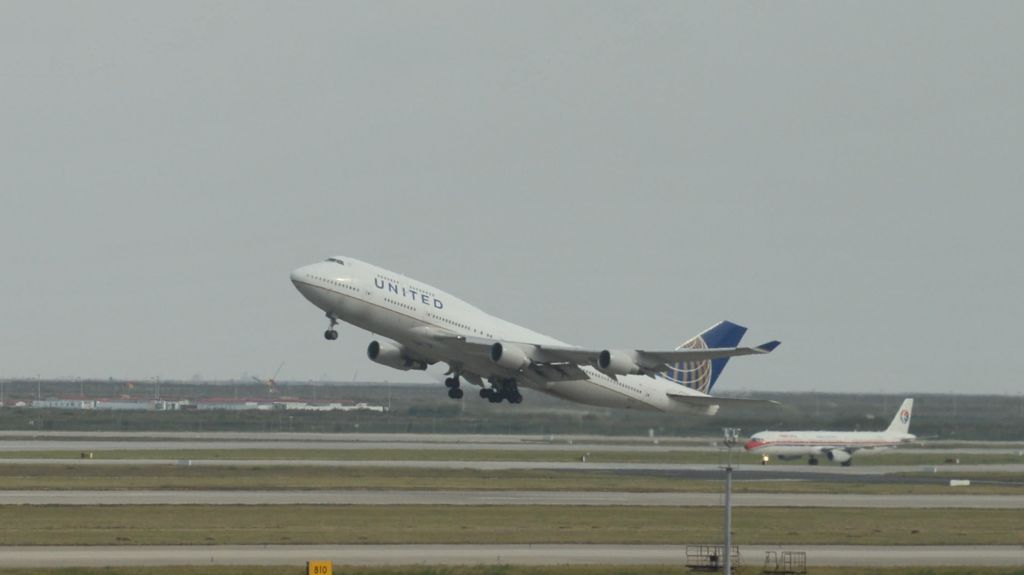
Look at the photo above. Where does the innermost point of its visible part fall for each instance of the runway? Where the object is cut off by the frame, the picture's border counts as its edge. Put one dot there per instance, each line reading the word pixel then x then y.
pixel 364 438
pixel 861 473
pixel 451 497
pixel 152 441
pixel 849 555
pixel 106 441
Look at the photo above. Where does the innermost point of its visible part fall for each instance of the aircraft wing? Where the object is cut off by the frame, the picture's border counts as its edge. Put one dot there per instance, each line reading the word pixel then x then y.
pixel 545 366
pixel 650 362
pixel 557 363
pixel 825 448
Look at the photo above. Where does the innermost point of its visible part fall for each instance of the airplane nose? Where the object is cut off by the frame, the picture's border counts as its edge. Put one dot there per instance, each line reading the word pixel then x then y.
pixel 302 280
pixel 300 276
pixel 753 444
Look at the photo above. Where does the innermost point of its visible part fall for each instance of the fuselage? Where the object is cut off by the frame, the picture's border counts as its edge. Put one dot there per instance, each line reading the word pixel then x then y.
pixel 812 443
pixel 404 310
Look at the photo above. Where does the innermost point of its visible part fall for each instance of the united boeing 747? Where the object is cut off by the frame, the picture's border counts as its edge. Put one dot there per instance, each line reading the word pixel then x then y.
pixel 424 325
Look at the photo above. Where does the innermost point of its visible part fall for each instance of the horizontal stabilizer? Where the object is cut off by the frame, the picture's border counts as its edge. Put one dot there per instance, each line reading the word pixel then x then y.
pixel 706 400
pixel 681 355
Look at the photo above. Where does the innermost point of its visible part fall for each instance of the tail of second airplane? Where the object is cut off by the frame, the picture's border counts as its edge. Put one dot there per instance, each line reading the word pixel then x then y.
pixel 702 375
pixel 901 422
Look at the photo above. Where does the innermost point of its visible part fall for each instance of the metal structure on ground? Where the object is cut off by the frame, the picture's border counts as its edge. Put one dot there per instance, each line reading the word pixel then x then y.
pixel 732 437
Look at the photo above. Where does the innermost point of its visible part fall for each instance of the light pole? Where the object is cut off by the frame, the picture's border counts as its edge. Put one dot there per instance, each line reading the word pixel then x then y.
pixel 732 437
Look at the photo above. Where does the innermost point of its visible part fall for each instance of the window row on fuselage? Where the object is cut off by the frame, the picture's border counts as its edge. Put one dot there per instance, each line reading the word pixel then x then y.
pixel 341 284
pixel 453 323
pixel 399 304
pixel 616 382
pixel 444 320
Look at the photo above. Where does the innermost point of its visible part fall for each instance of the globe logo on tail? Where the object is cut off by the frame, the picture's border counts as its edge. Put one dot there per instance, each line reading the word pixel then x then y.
pixel 693 374
pixel 904 416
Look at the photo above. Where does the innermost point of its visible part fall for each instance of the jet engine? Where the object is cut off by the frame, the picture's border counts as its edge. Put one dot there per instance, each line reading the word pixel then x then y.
pixel 393 355
pixel 509 356
pixel 618 362
pixel 839 456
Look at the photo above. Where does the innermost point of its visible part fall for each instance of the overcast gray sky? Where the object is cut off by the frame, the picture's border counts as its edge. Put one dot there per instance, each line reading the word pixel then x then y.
pixel 844 177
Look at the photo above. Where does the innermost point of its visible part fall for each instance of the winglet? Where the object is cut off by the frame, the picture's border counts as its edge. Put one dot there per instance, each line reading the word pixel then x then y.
pixel 768 347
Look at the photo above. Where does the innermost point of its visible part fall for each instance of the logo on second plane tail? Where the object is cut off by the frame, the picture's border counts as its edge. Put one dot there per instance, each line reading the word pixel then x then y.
pixel 904 416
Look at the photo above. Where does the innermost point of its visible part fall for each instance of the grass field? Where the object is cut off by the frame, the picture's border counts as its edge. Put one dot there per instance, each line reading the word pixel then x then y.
pixel 234 477
pixel 500 570
pixel 893 457
pixel 428 524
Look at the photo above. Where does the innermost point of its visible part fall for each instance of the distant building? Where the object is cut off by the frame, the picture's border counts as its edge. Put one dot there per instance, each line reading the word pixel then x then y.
pixel 56 403
pixel 231 405
pixel 140 404
pixel 221 404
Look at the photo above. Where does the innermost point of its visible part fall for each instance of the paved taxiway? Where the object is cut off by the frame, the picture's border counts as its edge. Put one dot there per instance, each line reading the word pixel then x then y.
pixel 866 555
pixel 681 470
pixel 342 445
pixel 58 441
pixel 507 497
pixel 108 441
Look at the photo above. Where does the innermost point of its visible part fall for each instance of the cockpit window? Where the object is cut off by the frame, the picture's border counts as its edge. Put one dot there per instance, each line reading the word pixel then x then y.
pixel 336 260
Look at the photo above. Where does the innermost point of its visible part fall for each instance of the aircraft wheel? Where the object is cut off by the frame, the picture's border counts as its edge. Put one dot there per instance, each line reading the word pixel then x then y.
pixel 330 335
pixel 451 382
pixel 517 398
pixel 812 461
pixel 847 463
pixel 494 398
pixel 485 392
pixel 455 393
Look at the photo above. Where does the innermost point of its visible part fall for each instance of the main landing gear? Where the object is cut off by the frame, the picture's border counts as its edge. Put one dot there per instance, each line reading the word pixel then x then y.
pixel 812 460
pixel 502 389
pixel 331 334
pixel 452 383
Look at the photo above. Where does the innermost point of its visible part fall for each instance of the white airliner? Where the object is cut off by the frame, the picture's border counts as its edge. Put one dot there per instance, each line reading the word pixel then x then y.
pixel 427 326
pixel 837 446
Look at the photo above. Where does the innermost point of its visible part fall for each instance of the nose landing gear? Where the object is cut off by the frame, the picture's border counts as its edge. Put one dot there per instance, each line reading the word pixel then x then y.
pixel 331 334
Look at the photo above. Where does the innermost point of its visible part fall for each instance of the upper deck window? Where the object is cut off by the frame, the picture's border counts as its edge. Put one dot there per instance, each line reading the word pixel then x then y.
pixel 336 260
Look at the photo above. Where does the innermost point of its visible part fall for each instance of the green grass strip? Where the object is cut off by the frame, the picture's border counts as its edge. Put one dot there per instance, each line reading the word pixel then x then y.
pixel 497 570
pixel 428 524
pixel 268 477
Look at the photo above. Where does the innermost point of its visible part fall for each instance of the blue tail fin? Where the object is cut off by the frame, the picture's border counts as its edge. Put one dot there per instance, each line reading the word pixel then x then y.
pixel 702 375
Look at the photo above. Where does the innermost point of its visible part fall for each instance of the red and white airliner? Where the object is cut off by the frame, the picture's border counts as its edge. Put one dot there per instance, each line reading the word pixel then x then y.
pixel 837 446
